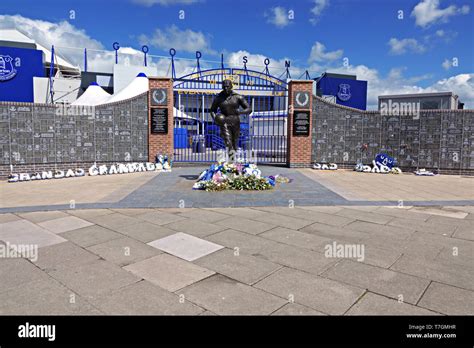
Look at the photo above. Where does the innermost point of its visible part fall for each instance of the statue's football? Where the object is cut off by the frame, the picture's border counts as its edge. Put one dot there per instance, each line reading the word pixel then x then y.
pixel 219 119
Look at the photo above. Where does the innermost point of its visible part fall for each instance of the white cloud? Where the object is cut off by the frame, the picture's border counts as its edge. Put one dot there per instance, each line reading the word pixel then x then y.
pixel 181 40
pixel 446 64
pixel 428 12
pixel 278 16
pixel 317 9
pixel 69 42
pixel 319 54
pixel 256 62
pixel 396 83
pixel 47 33
pixel 404 45
pixel 462 85
pixel 149 3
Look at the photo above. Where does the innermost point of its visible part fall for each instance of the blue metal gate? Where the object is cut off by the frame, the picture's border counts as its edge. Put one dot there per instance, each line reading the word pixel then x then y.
pixel 263 132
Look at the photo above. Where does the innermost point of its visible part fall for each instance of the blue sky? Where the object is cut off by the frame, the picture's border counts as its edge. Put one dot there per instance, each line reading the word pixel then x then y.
pixel 415 53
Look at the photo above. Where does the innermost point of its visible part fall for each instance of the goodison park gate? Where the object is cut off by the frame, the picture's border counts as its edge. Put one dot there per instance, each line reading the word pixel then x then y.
pixel 263 132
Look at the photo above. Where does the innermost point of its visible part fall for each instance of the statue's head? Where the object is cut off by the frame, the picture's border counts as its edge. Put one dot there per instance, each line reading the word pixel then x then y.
pixel 227 86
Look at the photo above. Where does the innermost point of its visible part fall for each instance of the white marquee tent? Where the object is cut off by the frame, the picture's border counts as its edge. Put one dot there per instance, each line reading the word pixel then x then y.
pixel 138 86
pixel 93 95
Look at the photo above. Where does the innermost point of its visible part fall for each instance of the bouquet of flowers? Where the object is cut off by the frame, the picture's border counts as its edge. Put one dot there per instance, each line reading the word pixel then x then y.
pixel 233 176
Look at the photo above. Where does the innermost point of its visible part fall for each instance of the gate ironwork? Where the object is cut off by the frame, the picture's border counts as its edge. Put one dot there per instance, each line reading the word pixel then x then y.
pixel 263 133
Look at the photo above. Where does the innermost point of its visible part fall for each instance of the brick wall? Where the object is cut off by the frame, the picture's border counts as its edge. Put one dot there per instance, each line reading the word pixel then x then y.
pixel 161 143
pixel 299 147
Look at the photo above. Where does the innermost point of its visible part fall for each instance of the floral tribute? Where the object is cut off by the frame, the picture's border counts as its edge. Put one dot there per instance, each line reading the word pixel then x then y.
pixel 236 176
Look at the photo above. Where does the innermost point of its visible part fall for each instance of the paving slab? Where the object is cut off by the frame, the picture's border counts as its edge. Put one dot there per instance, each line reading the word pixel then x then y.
pixel 382 230
pixel 225 296
pixel 322 209
pixel 283 220
pixel 465 232
pixel 437 270
pixel 133 211
pixel 244 268
pixel 93 278
pixel 290 210
pixel 296 309
pixel 408 246
pixel 169 272
pixel 8 217
pixel 324 295
pixel 113 220
pixel 40 216
pixel 468 209
pixel 64 224
pixel 450 221
pixel 315 216
pixel 158 217
pixel 422 226
pixel 195 227
pixel 91 235
pixel 14 272
pixel 44 297
pixel 185 246
pixel 285 255
pixel 441 212
pixel 374 304
pixel 452 256
pixel 203 215
pixel 25 232
pixel 402 212
pixel 379 280
pixel 297 238
pixel 239 223
pixel 365 216
pixel 62 256
pixel 144 231
pixel 123 251
pixel 89 213
pixel 379 257
pixel 143 298
pixel 448 299
pixel 333 232
pixel 248 213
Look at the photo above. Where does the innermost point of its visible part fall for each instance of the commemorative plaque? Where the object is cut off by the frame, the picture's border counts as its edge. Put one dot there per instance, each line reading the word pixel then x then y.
pixel 159 121
pixel 301 124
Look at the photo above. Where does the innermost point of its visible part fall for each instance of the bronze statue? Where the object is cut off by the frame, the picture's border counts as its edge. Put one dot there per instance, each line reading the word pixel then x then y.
pixel 228 120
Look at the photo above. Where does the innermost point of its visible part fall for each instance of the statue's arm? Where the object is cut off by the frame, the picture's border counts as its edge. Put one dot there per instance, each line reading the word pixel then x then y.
pixel 246 109
pixel 214 108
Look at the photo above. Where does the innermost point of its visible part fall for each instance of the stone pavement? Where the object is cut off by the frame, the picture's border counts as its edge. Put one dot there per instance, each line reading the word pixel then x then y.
pixel 269 260
pixel 173 190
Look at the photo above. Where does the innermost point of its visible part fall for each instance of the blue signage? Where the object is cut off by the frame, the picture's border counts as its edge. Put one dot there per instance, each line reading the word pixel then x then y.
pixel 384 160
pixel 18 66
pixel 348 92
pixel 344 93
pixel 7 71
